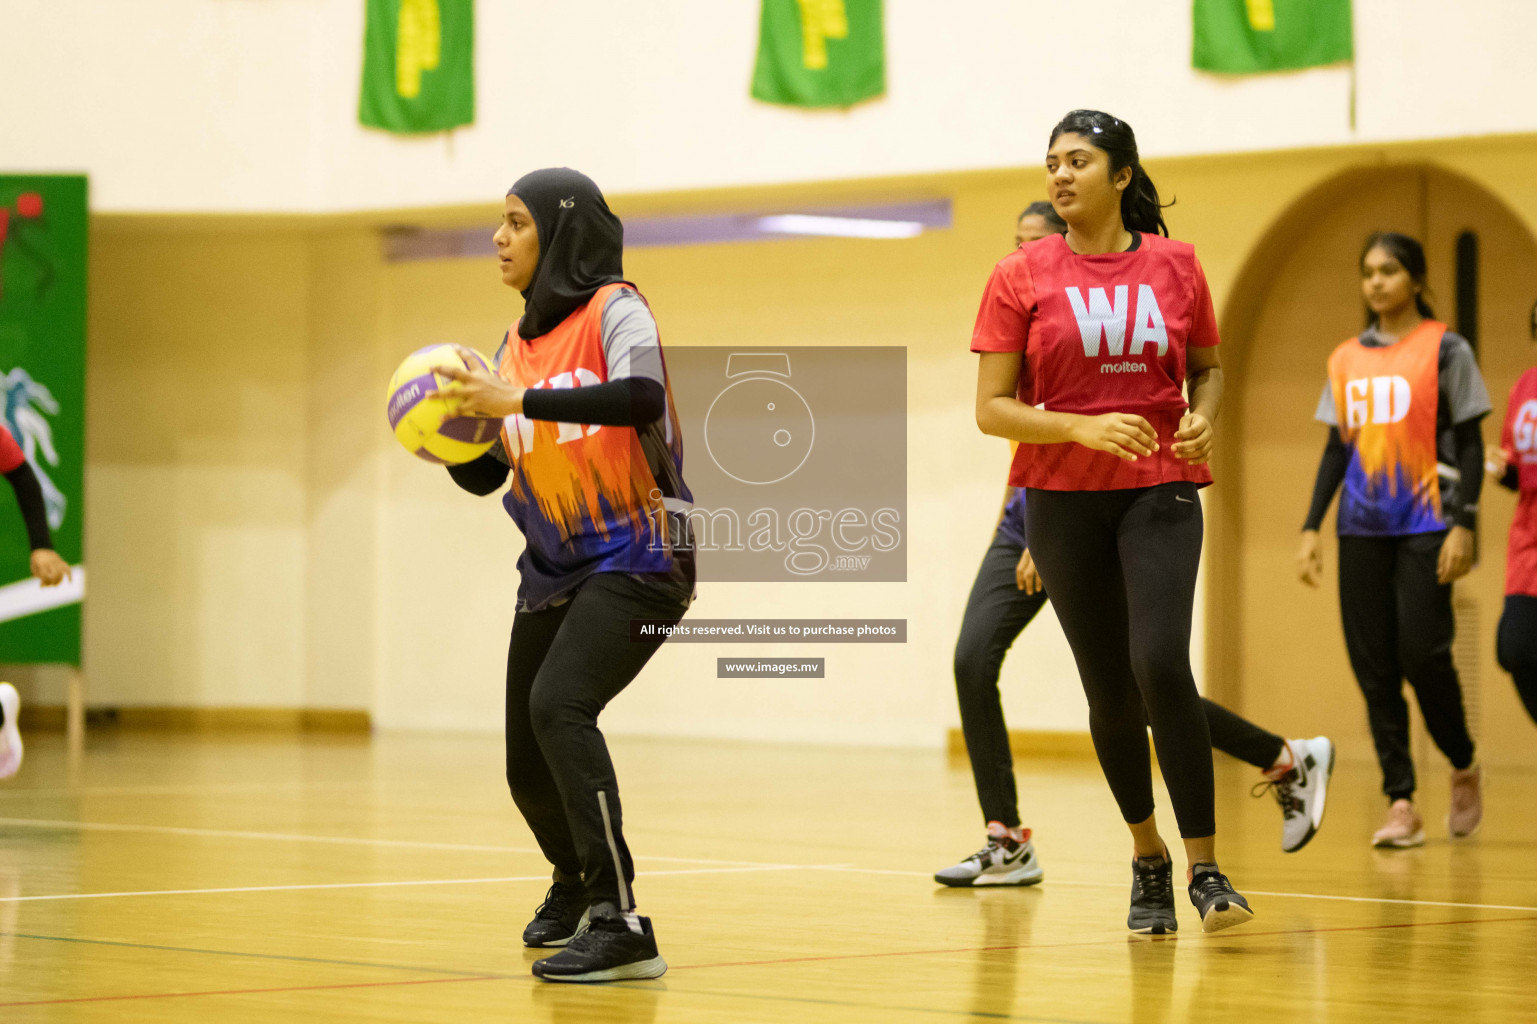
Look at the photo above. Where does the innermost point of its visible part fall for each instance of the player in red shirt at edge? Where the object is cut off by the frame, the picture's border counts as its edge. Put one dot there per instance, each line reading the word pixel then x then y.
pixel 1514 464
pixel 46 565
pixel 1086 343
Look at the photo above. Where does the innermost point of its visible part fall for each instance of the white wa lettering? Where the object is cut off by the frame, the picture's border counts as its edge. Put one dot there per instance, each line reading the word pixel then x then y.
pixel 1100 317
pixel 1375 399
pixel 1149 323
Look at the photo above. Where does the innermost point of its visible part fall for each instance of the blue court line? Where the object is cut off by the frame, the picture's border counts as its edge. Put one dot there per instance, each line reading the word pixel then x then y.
pixel 269 956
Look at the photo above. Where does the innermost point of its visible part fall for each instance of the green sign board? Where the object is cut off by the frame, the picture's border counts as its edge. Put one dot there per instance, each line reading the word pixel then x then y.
pixel 43 227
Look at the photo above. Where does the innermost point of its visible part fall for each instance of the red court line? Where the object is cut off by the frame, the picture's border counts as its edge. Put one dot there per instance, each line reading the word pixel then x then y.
pixel 256 991
pixel 767 963
pixel 1096 942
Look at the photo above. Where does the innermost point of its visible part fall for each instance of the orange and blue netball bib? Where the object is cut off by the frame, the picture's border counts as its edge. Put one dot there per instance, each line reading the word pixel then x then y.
pixel 1385 401
pixel 584 496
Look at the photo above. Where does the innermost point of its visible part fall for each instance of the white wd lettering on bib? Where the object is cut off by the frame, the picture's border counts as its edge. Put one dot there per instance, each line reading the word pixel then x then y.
pixel 520 429
pixel 1375 400
pixel 1100 317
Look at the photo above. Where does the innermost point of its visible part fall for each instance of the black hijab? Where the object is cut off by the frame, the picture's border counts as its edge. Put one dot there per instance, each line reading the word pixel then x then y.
pixel 581 246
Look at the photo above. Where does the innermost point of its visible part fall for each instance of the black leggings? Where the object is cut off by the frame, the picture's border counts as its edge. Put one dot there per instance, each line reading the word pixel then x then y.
pixel 1517 647
pixel 996 613
pixel 1121 569
pixel 563 666
pixel 1398 624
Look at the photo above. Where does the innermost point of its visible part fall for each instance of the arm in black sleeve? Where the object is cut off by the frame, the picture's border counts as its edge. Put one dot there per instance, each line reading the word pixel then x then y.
pixel 482 476
pixel 626 402
pixel 1511 481
pixel 1331 473
pixel 1468 440
pixel 29 495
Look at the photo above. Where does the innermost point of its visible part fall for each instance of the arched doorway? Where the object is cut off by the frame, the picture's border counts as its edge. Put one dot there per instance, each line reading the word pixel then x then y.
pixel 1274 647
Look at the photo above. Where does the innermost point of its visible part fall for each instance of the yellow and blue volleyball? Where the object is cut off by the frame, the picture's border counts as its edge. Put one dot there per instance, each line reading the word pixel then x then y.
pixel 428 427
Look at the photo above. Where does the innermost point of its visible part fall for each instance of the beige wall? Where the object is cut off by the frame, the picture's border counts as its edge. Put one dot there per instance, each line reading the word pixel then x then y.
pixel 221 106
pixel 256 537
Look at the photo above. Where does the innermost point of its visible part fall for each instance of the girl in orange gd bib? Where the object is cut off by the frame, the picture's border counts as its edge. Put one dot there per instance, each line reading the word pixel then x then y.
pixel 1404 404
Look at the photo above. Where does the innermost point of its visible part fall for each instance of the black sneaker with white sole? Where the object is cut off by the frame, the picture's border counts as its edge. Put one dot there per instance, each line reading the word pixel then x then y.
pixel 615 947
pixel 1152 896
pixel 558 918
pixel 1216 900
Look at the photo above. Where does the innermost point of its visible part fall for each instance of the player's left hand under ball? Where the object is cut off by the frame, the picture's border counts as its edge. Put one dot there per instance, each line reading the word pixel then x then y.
pixel 476 393
pixel 1193 439
pixel 49 568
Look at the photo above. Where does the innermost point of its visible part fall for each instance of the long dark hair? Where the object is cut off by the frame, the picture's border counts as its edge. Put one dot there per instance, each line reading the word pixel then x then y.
pixel 1410 255
pixel 1141 209
pixel 1044 210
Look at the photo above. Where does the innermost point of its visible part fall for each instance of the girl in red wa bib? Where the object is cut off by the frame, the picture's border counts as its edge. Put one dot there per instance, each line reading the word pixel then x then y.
pixel 1514 464
pixel 1404 403
pixel 592 448
pixel 1087 340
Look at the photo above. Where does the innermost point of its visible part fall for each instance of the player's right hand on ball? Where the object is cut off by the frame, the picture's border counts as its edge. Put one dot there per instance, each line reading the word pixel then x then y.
pixel 1122 434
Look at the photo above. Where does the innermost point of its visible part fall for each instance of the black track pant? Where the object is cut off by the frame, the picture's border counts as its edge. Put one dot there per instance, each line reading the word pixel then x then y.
pixel 564 665
pixel 996 613
pixel 1517 647
pixel 1398 624
pixel 1120 567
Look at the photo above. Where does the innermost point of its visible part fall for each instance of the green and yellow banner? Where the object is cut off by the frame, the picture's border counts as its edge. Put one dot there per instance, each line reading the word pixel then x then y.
pixel 418 65
pixel 1244 37
pixel 43 233
pixel 820 53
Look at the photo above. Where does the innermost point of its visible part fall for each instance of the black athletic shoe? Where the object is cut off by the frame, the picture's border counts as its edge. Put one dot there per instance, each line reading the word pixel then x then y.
pixel 1216 900
pixel 614 947
pixel 558 918
pixel 1152 897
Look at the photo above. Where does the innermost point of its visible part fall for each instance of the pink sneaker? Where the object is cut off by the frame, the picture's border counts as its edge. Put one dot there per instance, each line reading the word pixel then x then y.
pixel 1404 827
pixel 1467 810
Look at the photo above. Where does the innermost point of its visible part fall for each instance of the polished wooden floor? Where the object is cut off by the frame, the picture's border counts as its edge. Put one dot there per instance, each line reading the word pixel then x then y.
pixel 175 878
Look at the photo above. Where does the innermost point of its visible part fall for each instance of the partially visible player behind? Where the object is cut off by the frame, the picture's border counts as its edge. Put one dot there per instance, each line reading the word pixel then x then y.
pixel 1005 598
pixel 1514 464
pixel 47 566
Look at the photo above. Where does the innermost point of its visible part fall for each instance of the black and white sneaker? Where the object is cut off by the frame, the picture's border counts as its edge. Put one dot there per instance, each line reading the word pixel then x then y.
pixel 1152 896
pixel 615 947
pixel 1216 900
pixel 1003 861
pixel 559 918
pixel 1302 791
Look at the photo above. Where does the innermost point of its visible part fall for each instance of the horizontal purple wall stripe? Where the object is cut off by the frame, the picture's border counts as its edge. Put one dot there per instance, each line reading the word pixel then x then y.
pixel 409 243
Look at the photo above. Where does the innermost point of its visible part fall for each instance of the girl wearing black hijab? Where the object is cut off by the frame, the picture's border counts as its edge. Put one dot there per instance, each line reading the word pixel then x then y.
pixel 593 451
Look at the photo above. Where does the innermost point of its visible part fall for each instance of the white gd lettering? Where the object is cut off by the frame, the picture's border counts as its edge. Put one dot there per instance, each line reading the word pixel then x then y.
pixel 1100 316
pixel 1378 400
pixel 1525 427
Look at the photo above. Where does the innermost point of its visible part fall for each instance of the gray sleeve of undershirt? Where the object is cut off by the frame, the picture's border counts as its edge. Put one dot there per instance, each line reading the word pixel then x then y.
pixel 631 344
